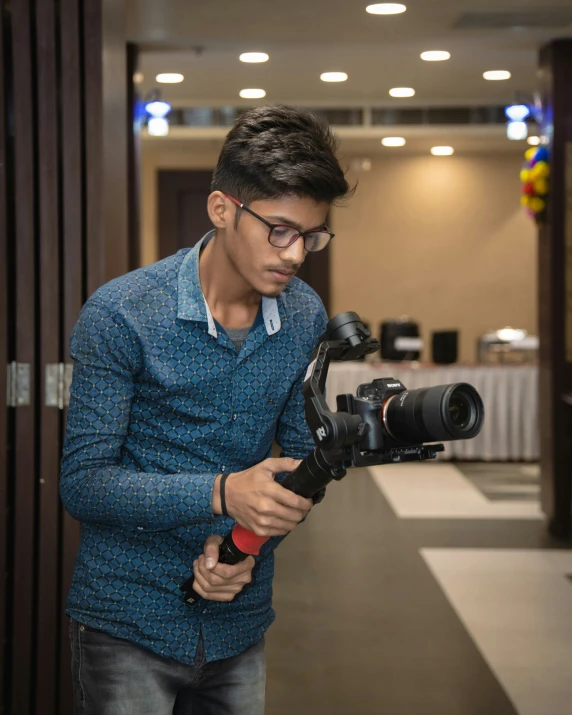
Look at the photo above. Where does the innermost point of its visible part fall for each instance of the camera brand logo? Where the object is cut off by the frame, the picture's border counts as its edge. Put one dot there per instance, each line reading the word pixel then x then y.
pixel 393 384
pixel 321 433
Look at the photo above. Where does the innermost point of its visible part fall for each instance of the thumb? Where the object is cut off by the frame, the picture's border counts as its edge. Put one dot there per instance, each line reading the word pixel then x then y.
pixel 211 551
pixel 282 464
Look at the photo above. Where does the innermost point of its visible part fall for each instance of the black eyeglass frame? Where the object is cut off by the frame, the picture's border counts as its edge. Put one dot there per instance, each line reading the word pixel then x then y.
pixel 272 226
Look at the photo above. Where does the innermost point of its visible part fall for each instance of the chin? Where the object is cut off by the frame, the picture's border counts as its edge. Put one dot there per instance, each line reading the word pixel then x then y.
pixel 272 293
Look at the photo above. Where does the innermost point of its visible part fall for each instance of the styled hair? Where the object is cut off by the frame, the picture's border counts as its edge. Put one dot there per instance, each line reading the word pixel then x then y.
pixel 277 151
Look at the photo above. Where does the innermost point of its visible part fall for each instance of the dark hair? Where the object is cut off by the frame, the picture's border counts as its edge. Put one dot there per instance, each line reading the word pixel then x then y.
pixel 279 151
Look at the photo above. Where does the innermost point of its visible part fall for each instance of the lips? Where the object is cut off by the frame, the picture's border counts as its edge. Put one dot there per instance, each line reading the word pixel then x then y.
pixel 282 276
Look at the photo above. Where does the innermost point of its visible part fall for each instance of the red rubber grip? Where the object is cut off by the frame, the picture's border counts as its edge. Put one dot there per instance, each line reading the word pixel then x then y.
pixel 246 541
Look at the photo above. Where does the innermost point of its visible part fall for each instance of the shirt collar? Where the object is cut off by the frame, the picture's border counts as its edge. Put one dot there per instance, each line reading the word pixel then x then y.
pixel 191 301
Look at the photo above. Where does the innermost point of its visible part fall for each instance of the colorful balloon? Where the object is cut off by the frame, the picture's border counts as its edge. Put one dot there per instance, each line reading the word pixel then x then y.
pixel 537 204
pixel 540 187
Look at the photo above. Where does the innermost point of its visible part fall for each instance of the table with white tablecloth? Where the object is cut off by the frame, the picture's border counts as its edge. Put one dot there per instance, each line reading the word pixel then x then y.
pixel 509 393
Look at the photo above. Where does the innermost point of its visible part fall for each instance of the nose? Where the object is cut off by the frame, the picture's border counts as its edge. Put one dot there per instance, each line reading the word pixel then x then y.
pixel 295 253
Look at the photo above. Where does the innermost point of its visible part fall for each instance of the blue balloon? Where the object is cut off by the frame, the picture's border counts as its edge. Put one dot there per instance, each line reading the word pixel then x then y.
pixel 541 154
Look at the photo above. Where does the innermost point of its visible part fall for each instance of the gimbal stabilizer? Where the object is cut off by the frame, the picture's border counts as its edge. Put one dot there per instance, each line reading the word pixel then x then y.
pixel 383 424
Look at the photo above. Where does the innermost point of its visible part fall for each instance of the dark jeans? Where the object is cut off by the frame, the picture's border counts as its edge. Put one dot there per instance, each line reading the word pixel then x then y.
pixel 114 677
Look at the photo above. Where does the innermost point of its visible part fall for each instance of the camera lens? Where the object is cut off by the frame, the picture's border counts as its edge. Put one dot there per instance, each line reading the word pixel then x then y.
pixel 459 410
pixel 434 414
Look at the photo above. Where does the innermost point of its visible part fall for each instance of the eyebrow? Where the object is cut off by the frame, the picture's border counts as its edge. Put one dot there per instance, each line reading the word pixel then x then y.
pixel 283 220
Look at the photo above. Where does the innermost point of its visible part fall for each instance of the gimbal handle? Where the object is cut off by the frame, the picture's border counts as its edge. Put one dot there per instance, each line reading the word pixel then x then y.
pixel 310 476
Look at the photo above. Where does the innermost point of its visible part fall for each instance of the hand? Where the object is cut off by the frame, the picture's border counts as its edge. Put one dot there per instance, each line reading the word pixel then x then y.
pixel 220 582
pixel 259 503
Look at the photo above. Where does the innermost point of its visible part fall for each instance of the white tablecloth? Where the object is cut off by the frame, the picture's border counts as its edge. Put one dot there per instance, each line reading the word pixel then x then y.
pixel 509 393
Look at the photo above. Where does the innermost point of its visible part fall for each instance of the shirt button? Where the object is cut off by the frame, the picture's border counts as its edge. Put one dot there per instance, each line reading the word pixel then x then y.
pixel 140 528
pixel 234 417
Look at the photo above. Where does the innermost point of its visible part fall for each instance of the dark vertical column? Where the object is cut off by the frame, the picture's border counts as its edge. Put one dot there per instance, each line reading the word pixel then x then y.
pixel 133 163
pixel 555 291
pixel 115 142
pixel 93 142
pixel 4 357
pixel 47 611
pixel 25 435
pixel 73 182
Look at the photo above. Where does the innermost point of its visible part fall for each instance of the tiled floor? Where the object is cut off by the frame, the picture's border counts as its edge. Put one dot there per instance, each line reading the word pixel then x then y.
pixel 413 593
pixel 504 481
pixel 517 606
pixel 440 490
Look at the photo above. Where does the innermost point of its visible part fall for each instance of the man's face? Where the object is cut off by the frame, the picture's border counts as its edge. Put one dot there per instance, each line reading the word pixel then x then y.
pixel 264 267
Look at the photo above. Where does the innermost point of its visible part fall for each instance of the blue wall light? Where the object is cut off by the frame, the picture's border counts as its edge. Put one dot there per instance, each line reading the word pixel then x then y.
pixel 517 112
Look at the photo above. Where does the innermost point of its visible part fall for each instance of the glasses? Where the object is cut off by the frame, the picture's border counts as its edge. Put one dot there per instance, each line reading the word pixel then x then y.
pixel 281 236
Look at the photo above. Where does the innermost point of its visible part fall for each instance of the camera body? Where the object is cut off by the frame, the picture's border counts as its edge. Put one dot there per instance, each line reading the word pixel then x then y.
pixel 369 403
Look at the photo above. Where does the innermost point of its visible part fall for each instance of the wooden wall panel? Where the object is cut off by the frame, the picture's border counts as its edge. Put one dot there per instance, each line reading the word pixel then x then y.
pixel 73 278
pixel 25 322
pixel 53 220
pixel 47 606
pixel 4 359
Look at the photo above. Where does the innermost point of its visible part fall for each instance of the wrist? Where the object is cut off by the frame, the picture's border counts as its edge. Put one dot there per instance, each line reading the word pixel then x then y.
pixel 216 496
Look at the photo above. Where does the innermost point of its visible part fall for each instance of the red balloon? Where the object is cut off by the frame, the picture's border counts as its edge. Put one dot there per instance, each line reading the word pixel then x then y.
pixel 528 189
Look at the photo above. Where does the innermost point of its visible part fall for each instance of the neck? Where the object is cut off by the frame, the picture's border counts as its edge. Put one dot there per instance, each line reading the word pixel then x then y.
pixel 231 300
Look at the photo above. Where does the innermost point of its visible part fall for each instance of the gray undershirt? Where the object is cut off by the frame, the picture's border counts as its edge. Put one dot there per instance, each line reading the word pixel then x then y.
pixel 238 336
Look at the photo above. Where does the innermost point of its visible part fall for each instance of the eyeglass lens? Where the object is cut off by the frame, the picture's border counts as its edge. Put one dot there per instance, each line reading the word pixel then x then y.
pixel 283 236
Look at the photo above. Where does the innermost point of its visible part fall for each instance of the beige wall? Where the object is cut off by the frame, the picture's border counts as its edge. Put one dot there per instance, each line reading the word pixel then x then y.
pixel 442 239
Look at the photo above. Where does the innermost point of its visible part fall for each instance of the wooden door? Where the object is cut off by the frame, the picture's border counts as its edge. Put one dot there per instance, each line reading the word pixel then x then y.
pixel 182 217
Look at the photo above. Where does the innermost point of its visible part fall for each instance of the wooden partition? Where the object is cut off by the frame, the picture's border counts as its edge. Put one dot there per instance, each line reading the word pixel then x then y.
pixel 53 222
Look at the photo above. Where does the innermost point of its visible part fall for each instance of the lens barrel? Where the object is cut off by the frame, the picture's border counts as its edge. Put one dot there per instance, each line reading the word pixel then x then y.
pixel 434 414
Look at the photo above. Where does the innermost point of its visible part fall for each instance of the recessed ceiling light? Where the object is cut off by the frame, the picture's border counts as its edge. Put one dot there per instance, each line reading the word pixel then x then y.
pixel 393 141
pixel 435 56
pixel 333 76
pixel 252 93
pixel 442 150
pixel 402 92
pixel 169 77
pixel 253 57
pixel 386 8
pixel 533 141
pixel 496 74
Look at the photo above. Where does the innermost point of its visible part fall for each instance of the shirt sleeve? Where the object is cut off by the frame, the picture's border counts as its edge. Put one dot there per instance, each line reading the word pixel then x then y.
pixel 94 486
pixel 293 434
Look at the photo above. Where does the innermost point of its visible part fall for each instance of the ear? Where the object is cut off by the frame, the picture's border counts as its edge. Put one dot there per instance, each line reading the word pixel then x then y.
pixel 220 213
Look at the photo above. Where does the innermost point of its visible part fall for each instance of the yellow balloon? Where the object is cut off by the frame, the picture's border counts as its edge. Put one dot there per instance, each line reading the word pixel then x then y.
pixel 525 200
pixel 541 170
pixel 525 176
pixel 537 205
pixel 529 153
pixel 540 187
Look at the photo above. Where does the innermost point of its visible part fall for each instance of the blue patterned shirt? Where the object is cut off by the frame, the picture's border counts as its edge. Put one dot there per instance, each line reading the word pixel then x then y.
pixel 161 402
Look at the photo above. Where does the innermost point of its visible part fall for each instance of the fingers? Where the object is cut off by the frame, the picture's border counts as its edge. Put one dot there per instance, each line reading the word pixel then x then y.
pixel 211 550
pixel 291 500
pixel 281 464
pixel 223 582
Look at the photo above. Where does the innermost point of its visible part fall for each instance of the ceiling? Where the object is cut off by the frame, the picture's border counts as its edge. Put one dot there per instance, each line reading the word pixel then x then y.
pixel 203 38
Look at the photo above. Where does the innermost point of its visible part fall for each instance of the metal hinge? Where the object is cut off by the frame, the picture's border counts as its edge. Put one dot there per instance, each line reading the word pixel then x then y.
pixel 58 381
pixel 18 388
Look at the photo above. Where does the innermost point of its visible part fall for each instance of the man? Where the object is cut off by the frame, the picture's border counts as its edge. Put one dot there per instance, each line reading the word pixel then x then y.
pixel 185 372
